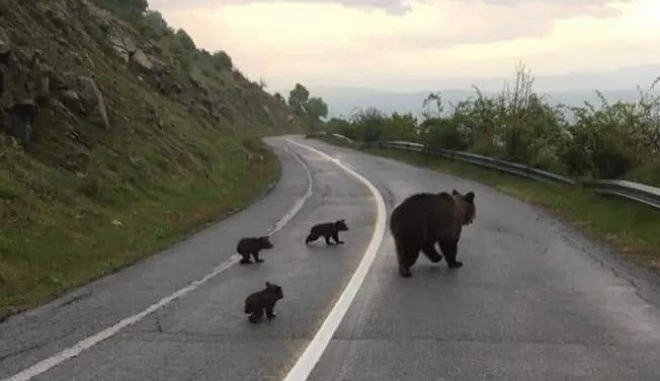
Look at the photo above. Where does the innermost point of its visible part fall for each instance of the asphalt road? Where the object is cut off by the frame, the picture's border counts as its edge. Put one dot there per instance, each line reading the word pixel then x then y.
pixel 534 301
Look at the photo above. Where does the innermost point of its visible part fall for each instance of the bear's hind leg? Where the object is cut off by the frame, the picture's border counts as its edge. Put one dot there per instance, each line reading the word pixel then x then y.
pixel 256 315
pixel 255 254
pixel 429 250
pixel 407 256
pixel 245 260
pixel 450 250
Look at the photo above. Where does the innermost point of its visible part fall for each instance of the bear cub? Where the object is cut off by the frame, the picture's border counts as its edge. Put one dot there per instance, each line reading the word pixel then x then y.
pixel 327 230
pixel 257 302
pixel 424 219
pixel 252 245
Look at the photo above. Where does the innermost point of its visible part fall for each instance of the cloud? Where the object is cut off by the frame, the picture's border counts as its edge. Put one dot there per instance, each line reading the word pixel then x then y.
pixel 330 43
pixel 394 7
pixel 598 8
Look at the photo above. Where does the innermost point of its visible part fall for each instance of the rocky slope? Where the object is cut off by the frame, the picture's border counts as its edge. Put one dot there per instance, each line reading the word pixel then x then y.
pixel 113 144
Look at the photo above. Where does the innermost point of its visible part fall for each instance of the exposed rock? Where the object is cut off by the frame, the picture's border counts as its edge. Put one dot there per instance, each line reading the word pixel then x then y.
pixel 5 48
pixel 93 99
pixel 158 66
pixel 20 118
pixel 5 52
pixel 62 109
pixel 139 59
pixel 59 18
pixel 4 55
pixel 43 89
pixel 196 83
pixel 124 46
pixel 71 100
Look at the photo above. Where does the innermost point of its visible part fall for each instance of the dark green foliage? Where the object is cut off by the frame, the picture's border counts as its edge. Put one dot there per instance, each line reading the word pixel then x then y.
pixel 369 125
pixel 279 97
pixel 185 41
pixel 445 133
pixel 153 25
pixel 130 8
pixel 298 98
pixel 317 108
pixel 311 110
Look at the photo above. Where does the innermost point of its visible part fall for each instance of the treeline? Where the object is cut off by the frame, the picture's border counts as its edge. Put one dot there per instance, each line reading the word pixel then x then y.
pixel 612 140
pixel 311 109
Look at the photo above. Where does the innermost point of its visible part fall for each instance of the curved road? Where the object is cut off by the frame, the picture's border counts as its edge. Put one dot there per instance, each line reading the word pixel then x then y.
pixel 534 301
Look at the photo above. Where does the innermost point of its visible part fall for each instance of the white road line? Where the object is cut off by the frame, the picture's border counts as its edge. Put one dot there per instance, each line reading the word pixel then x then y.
pixel 60 357
pixel 301 201
pixel 308 360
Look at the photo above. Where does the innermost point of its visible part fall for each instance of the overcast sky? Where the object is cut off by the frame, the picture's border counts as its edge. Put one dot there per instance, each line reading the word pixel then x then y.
pixel 397 43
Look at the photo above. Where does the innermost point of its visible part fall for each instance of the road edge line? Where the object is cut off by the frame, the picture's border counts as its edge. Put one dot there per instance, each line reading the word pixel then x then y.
pixel 315 349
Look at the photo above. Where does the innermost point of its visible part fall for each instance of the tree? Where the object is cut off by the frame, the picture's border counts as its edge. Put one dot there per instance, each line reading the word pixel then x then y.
pixel 298 99
pixel 317 108
pixel 279 97
pixel 222 61
pixel 132 8
pixel 155 26
pixel 369 124
pixel 430 100
pixel 185 41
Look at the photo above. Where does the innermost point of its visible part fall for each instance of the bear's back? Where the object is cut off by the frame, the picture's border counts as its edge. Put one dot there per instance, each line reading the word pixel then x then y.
pixel 434 209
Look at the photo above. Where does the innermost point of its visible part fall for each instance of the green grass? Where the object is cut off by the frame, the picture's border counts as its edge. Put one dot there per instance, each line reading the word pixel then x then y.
pixel 629 227
pixel 53 242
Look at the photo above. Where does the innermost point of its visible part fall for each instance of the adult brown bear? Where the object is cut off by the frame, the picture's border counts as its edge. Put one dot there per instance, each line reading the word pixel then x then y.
pixel 423 219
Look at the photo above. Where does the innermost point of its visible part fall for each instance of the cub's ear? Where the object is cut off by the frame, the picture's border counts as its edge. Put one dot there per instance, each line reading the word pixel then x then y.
pixel 454 192
pixel 267 284
pixel 469 197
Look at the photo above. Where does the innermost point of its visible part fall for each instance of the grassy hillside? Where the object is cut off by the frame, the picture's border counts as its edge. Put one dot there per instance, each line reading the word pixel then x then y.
pixel 117 137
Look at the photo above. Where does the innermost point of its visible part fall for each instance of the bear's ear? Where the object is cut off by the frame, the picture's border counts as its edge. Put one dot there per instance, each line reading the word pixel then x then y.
pixel 469 197
pixel 267 284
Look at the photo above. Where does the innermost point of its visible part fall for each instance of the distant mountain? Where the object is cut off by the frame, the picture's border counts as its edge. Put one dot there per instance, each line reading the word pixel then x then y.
pixel 570 89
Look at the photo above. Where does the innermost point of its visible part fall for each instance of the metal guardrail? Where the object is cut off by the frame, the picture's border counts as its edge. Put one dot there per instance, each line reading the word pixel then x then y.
pixel 484 161
pixel 345 138
pixel 641 193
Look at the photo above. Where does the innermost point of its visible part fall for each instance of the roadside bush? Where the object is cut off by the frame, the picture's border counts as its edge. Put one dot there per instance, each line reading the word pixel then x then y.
pixel 609 141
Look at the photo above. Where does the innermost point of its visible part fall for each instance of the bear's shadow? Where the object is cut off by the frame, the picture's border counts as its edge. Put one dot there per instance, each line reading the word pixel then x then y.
pixel 428 271
pixel 322 246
